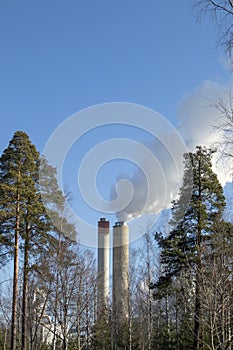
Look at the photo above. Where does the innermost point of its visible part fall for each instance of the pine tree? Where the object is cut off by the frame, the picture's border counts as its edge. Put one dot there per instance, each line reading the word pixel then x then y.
pixel 32 215
pixel 184 248
pixel 14 180
pixel 22 213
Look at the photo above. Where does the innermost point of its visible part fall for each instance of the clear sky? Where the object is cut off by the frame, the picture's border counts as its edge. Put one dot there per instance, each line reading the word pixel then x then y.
pixel 58 57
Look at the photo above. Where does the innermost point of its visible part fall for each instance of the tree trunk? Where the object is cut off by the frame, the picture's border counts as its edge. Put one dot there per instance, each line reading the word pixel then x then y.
pixel 78 335
pixel 196 340
pixel 197 312
pixel 65 342
pixel 15 279
pixel 5 339
pixel 25 292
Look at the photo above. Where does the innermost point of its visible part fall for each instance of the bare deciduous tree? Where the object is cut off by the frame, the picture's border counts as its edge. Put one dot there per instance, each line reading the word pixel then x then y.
pixel 221 12
pixel 224 125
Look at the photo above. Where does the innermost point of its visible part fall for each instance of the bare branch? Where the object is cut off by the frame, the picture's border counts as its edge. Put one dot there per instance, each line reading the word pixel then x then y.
pixel 221 12
pixel 221 7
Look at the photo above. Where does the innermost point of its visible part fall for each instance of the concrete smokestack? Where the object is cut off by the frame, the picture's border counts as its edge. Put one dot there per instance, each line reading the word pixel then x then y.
pixel 120 272
pixel 103 265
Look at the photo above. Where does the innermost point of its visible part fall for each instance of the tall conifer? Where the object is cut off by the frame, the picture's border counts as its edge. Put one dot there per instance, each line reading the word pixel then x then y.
pixel 184 248
pixel 23 216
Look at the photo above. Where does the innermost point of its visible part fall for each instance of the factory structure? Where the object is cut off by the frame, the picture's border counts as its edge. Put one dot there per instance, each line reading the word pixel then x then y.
pixel 120 266
pixel 103 265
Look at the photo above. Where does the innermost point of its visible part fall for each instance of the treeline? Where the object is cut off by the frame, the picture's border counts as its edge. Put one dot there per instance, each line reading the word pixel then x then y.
pixel 182 297
pixel 52 293
pixel 180 283
pixel 196 263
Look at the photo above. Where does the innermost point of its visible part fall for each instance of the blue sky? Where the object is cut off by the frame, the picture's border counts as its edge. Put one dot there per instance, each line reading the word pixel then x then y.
pixel 59 57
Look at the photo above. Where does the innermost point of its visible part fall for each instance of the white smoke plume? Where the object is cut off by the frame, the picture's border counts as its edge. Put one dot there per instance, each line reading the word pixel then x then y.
pixel 151 196
pixel 197 118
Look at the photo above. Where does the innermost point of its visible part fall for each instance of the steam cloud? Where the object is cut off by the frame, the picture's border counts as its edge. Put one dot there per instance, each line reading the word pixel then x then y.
pixel 196 120
pixel 152 197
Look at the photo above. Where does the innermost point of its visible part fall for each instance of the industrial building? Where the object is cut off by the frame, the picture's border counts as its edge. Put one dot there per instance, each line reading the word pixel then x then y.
pixel 120 269
pixel 120 278
pixel 103 265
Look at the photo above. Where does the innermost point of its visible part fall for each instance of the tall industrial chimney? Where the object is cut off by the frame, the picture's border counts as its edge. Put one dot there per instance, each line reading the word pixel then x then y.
pixel 103 265
pixel 120 272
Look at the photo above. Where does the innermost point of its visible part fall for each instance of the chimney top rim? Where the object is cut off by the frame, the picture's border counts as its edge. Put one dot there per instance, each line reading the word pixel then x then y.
pixel 120 223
